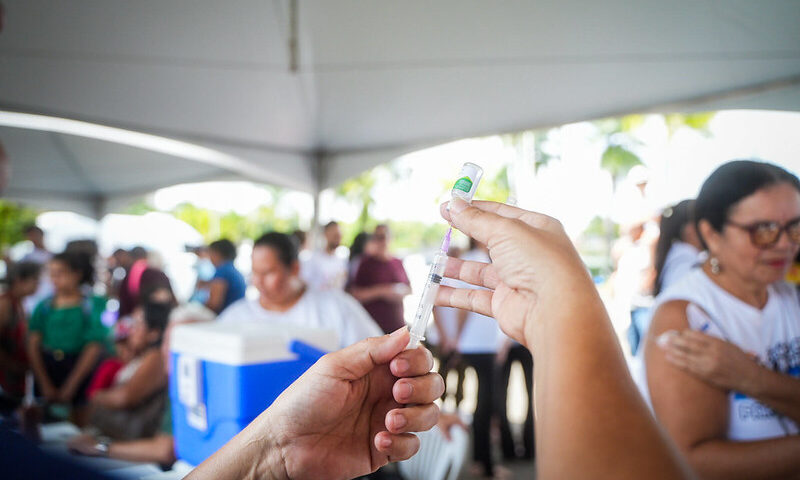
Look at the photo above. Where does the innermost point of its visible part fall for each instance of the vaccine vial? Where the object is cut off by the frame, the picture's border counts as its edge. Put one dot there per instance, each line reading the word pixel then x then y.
pixel 467 182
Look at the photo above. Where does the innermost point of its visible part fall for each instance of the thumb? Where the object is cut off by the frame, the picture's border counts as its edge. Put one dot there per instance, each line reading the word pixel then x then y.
pixel 359 359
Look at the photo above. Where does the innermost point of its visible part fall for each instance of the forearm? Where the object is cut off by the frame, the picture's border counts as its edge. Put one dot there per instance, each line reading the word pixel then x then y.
pixel 589 412
pixel 111 398
pixel 778 391
pixel 366 294
pixel 37 363
pixel 777 458
pixel 133 392
pixel 252 454
pixel 159 449
pixel 86 362
pixel 216 295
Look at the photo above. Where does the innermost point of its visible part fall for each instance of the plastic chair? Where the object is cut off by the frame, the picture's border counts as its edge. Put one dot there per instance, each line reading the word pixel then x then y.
pixel 438 458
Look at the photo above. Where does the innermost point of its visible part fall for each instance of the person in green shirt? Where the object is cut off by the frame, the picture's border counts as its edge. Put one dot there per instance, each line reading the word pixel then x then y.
pixel 66 336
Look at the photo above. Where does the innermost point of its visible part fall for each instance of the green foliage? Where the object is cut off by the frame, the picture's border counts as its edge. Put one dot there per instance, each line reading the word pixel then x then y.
pixel 598 227
pixel 359 189
pixel 629 123
pixel 495 189
pixel 618 160
pixel 13 219
pixel 696 121
pixel 231 225
pixel 139 208
pixel 541 156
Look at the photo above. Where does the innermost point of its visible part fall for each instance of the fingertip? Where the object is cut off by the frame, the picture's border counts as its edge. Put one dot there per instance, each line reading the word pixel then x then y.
pixel 383 441
pixel 457 205
pixel 399 367
pixel 397 342
pixel 444 210
pixel 403 391
pixel 400 332
pixel 395 422
pixel 397 447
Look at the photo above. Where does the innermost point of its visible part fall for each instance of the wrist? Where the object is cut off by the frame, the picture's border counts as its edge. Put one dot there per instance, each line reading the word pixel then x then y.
pixel 103 446
pixel 265 446
pixel 560 313
pixel 752 383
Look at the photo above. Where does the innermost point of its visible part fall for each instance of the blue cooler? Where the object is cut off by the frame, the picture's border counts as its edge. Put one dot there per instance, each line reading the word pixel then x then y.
pixel 225 375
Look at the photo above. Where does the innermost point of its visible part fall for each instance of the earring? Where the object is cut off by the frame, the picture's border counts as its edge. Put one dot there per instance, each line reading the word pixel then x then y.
pixel 714 262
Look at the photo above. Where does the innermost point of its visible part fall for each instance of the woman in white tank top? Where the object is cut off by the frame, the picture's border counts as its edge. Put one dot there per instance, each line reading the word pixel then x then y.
pixel 724 379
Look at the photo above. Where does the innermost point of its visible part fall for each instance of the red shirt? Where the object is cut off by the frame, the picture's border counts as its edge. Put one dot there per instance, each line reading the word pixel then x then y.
pixel 12 343
pixel 375 271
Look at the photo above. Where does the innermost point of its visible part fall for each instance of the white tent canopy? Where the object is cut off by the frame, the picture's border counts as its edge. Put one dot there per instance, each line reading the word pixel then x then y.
pixel 367 80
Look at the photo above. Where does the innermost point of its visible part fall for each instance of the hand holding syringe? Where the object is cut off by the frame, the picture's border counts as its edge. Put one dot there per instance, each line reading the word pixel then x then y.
pixel 464 189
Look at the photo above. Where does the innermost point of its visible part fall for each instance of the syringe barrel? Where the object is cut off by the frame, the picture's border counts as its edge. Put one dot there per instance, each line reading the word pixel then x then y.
pixel 428 298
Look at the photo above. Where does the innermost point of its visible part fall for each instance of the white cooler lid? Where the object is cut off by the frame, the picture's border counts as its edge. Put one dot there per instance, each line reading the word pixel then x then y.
pixel 247 343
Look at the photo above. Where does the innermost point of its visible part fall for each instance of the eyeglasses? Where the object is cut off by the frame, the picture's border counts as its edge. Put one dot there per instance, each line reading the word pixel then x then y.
pixel 767 234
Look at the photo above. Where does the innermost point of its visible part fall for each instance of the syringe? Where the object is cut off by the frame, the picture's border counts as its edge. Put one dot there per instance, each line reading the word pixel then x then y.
pixel 464 189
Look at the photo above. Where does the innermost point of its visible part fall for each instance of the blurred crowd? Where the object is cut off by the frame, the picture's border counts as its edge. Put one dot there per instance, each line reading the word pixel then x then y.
pixel 714 334
pixel 85 338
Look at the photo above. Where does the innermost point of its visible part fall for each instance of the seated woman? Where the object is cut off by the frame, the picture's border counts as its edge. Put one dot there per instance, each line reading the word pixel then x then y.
pixel 723 381
pixel 66 335
pixel 159 448
pixel 134 406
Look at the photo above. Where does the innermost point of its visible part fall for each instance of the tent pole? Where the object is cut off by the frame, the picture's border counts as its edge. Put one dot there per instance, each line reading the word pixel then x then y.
pixel 317 163
pixel 99 207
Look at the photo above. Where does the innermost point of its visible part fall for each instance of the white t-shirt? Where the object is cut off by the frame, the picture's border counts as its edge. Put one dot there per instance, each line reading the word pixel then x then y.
pixel 771 333
pixel 481 334
pixel 681 258
pixel 322 271
pixel 37 255
pixel 330 309
pixel 446 317
pixel 45 288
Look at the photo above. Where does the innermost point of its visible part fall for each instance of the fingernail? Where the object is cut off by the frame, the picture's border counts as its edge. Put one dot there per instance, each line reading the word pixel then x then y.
pixel 398 332
pixel 457 205
pixel 398 421
pixel 385 442
pixel 401 365
pixel 404 390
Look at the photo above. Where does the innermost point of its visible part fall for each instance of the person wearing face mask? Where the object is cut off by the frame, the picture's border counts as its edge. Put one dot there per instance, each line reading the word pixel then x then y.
pixel 723 353
pixel 285 299
pixel 227 285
